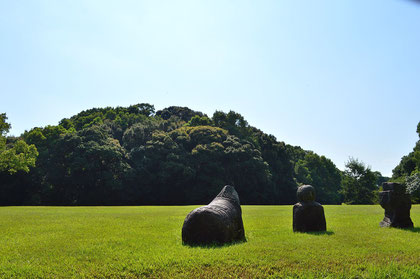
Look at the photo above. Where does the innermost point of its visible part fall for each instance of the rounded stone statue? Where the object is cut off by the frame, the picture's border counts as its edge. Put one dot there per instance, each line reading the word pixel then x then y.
pixel 397 205
pixel 218 223
pixel 308 215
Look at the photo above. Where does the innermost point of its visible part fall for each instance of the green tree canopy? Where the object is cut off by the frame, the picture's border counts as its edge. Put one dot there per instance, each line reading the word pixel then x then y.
pixel 134 155
pixel 197 120
pixel 322 173
pixel 359 183
pixel 15 157
pixel 4 126
pixel 408 170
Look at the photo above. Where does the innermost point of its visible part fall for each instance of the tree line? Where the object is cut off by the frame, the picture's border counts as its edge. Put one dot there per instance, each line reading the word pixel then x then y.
pixel 138 156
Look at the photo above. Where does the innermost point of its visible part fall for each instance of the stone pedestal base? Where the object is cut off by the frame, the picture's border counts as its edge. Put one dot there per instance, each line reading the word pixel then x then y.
pixel 308 217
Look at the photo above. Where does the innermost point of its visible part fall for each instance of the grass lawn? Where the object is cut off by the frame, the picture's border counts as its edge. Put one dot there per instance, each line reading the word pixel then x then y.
pixel 145 242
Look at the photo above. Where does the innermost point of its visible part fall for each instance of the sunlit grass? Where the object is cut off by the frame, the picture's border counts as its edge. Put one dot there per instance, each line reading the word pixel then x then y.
pixel 139 242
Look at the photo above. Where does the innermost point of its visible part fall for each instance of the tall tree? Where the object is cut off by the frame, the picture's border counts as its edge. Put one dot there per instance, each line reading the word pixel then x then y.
pixel 409 164
pixel 359 183
pixel 15 157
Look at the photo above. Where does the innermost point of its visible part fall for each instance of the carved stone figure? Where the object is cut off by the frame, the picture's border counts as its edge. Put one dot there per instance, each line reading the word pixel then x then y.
pixel 308 215
pixel 218 222
pixel 397 205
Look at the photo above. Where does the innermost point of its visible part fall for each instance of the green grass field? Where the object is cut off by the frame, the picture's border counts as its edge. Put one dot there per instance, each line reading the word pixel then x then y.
pixel 145 242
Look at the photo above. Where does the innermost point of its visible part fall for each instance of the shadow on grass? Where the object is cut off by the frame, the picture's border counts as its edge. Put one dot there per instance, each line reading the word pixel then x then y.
pixel 321 233
pixel 415 230
pixel 214 245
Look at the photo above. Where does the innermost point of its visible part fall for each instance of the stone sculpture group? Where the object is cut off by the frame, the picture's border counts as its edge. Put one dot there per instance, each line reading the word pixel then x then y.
pixel 220 221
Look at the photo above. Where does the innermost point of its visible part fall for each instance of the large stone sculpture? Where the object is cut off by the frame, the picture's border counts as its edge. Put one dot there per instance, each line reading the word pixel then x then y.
pixel 217 223
pixel 397 205
pixel 308 215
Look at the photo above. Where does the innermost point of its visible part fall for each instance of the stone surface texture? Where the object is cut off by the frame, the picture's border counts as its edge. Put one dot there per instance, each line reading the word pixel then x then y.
pixel 217 223
pixel 308 215
pixel 397 205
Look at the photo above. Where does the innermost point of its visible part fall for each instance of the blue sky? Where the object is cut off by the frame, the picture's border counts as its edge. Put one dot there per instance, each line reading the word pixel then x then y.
pixel 341 78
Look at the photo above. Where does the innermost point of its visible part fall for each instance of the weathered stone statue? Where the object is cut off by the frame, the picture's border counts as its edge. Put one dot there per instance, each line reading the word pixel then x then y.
pixel 308 215
pixel 397 205
pixel 216 223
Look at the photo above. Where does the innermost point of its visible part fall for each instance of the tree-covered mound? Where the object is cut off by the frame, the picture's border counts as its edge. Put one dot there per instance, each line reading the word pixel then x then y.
pixel 138 156
pixel 408 170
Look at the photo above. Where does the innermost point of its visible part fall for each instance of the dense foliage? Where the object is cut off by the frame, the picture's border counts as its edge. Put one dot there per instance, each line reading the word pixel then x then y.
pixel 408 170
pixel 15 155
pixel 312 169
pixel 136 155
pixel 359 183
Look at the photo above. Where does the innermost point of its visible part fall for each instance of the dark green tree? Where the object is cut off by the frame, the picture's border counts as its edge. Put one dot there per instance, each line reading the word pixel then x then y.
pixel 233 122
pixel 322 174
pixel 89 168
pixel 409 164
pixel 359 183
pixel 183 113
pixel 199 121
pixel 380 179
pixel 282 189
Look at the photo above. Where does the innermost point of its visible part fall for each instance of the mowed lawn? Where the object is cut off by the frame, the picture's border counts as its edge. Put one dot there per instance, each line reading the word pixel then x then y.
pixel 145 242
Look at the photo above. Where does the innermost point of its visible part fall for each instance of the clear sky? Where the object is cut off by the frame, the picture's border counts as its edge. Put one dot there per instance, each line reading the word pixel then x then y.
pixel 341 78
